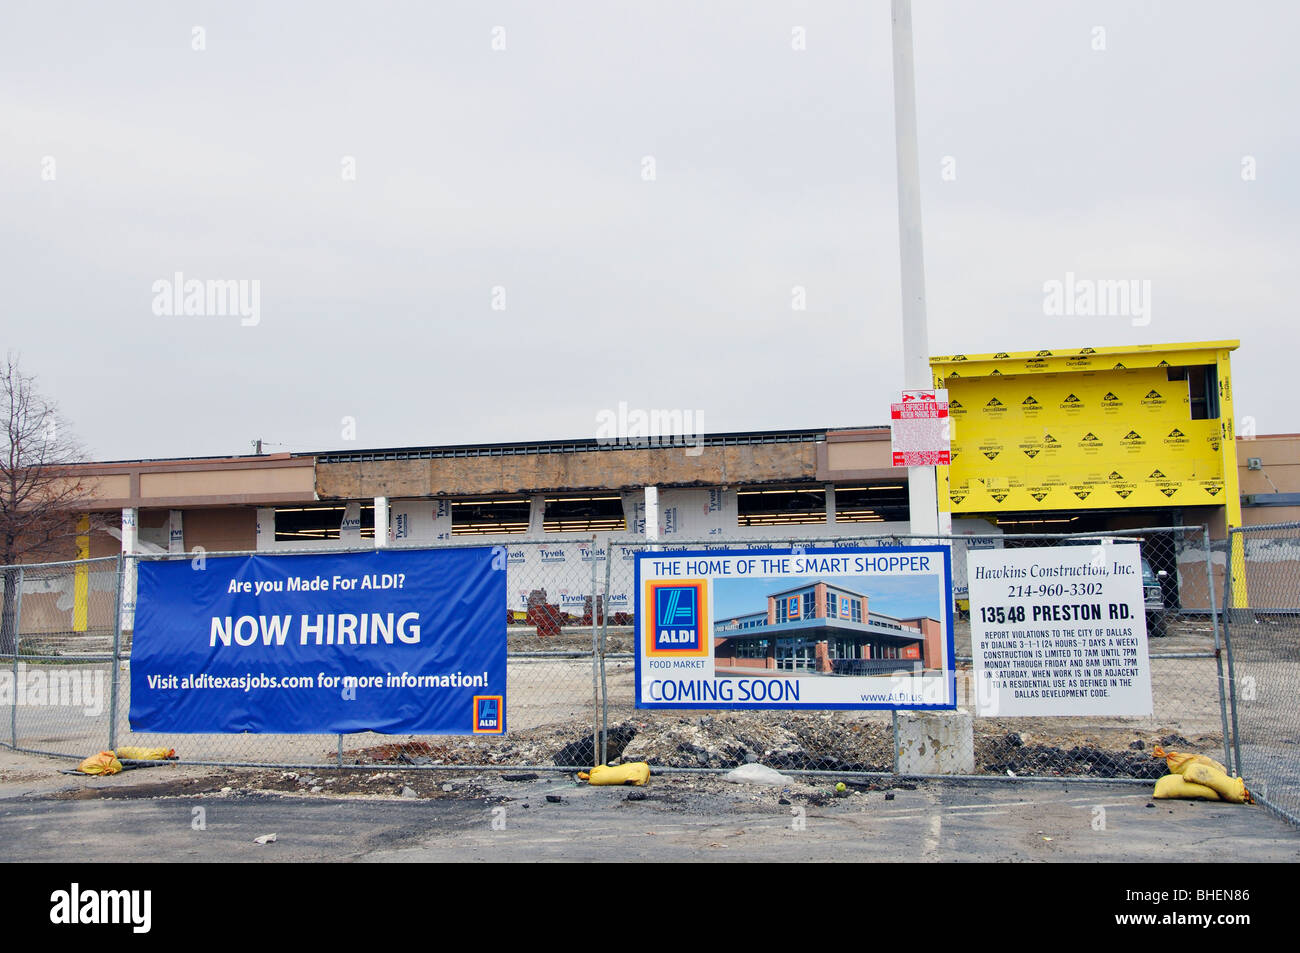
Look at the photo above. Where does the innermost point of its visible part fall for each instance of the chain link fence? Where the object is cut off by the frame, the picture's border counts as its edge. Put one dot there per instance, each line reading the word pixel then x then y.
pixel 1188 685
pixel 59 631
pixel 1261 609
pixel 555 605
pixel 570 627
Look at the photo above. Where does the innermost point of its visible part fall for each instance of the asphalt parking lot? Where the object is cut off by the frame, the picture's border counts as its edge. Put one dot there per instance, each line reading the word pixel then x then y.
pixel 175 813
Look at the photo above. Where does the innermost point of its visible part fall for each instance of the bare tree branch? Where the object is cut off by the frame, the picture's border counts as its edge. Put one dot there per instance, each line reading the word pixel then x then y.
pixel 42 492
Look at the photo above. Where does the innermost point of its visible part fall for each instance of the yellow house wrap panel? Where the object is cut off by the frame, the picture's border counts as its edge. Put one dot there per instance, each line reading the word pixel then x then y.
pixel 1086 429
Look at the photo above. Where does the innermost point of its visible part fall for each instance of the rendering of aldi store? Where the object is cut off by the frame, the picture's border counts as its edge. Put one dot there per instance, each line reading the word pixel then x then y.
pixel 824 629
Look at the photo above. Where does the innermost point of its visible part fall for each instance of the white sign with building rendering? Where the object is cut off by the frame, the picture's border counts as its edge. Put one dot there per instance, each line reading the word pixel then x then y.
pixel 795 628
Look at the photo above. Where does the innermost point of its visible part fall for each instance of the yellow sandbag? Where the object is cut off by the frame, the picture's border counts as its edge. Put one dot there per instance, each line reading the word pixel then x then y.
pixel 1178 762
pixel 638 772
pixel 1177 786
pixel 103 763
pixel 146 754
pixel 1228 789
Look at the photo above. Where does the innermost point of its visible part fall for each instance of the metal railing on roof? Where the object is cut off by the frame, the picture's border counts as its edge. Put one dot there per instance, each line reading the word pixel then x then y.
pixel 667 442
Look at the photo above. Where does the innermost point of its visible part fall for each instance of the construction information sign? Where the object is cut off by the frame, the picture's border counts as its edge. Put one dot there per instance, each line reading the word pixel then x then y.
pixel 821 627
pixel 397 642
pixel 1059 630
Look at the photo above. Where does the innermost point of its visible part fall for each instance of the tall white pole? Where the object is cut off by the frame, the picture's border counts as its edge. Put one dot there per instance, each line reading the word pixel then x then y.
pixel 923 502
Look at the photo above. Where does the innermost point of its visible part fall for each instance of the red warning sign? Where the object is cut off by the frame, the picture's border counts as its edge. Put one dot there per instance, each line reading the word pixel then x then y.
pixel 920 429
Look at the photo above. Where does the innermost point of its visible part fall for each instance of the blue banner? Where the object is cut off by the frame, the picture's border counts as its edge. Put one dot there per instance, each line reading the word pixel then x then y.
pixel 410 642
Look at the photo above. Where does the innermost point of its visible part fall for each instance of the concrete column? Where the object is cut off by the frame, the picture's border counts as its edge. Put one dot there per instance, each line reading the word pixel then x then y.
pixel 130 528
pixel 537 516
pixel 350 527
pixel 130 533
pixel 381 523
pixel 265 529
pixel 81 577
pixel 935 742
pixel 175 532
pixel 652 514
pixel 830 504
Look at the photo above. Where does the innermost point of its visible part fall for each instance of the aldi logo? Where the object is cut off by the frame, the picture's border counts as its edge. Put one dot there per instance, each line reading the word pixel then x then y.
pixel 677 623
pixel 489 711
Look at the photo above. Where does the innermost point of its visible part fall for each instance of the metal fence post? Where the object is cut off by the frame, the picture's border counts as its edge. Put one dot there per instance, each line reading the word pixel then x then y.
pixel 1218 648
pixel 1227 645
pixel 595 661
pixel 18 634
pixel 604 631
pixel 117 655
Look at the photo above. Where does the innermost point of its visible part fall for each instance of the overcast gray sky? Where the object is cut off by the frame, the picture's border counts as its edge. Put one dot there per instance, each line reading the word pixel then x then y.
pixel 1107 139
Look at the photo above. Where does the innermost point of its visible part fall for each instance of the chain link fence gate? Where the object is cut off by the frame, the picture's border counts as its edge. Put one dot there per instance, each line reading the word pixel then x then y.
pixel 570 638
pixel 1261 608
pixel 57 652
